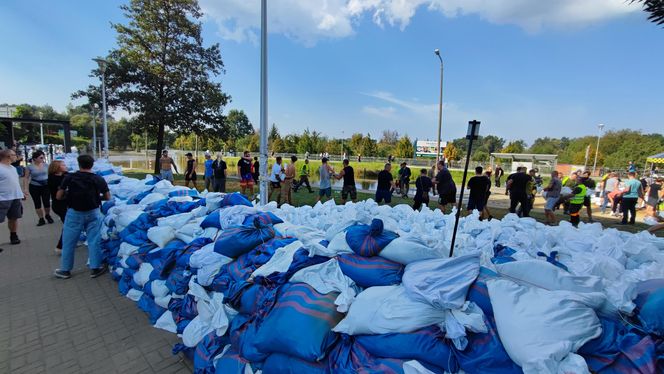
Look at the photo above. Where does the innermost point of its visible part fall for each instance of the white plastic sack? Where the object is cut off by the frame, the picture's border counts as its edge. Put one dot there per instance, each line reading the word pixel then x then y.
pixel 134 294
pixel 442 283
pixel 414 367
pixel 176 220
pixel 234 215
pixel 166 322
pixel 407 249
pixel 127 249
pixel 338 245
pixel 163 301
pixel 142 276
pixel 213 315
pixel 387 309
pixel 280 261
pixel 213 200
pixel 328 277
pixel 151 198
pixel 161 235
pixel 545 275
pixel 539 328
pixel 208 262
pixel 159 289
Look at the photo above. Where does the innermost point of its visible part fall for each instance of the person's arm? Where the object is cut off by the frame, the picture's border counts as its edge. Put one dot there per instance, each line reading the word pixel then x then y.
pixel 195 166
pixel 225 170
pixel 26 180
pixel 174 165
pixel 340 175
pixel 60 195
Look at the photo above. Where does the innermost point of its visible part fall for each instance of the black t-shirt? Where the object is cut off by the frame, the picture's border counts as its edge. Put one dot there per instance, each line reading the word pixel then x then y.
pixel 654 191
pixel 257 166
pixel 349 176
pixel 245 166
pixel 84 190
pixel 479 186
pixel 519 181
pixel 445 183
pixel 384 180
pixel 423 184
pixel 218 168
pixel 404 174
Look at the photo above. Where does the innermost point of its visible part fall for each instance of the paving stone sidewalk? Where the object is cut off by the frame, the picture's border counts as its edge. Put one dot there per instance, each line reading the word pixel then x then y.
pixel 79 325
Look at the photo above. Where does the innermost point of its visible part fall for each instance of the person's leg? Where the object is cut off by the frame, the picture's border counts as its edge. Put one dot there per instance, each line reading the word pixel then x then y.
pixel 45 196
pixel 513 203
pixel 35 194
pixel 625 209
pixel 74 223
pixel 632 211
pixel 525 205
pixel 93 223
pixel 574 210
pixel 605 202
pixel 222 185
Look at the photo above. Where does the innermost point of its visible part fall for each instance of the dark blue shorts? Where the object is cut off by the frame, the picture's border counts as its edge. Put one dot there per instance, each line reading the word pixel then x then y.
pixel 479 205
pixel 385 195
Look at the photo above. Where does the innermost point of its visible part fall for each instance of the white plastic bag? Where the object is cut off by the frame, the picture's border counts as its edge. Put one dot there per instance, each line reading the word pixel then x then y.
pixel 161 235
pixel 407 249
pixel 328 277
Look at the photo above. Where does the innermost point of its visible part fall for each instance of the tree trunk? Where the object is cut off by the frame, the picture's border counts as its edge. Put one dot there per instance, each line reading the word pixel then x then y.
pixel 160 146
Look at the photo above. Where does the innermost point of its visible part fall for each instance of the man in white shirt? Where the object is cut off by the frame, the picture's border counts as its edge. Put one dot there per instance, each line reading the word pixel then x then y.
pixel 276 179
pixel 11 194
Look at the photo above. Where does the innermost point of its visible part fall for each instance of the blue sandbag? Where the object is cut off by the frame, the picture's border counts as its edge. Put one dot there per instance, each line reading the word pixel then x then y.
pixel 485 353
pixel 349 357
pixel 369 240
pixel 211 220
pixel 242 332
pixel 231 363
pixel 251 298
pixel 620 350
pixel 183 192
pixel 106 206
pixel 124 284
pixel 314 315
pixel 178 281
pixel 233 199
pixel 301 260
pixel 370 271
pixel 278 363
pixel 650 305
pixel 153 181
pixel 426 345
pixel 479 293
pixel 134 261
pixel 206 350
pixel 239 240
pixel 147 304
pixel 266 218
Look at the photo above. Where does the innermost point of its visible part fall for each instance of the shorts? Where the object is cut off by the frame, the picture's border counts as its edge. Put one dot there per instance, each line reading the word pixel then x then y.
pixel 383 195
pixel 350 189
pixel 325 192
pixel 11 209
pixel 167 175
pixel 586 201
pixel 247 180
pixel 193 177
pixel 652 202
pixel 275 185
pixel 474 204
pixel 551 203
pixel 449 198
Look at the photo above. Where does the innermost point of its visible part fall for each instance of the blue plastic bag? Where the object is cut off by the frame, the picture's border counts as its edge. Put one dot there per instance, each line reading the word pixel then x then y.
pixel 266 218
pixel 231 363
pixel 147 304
pixel 278 363
pixel 479 293
pixel 349 357
pixel 650 305
pixel 314 315
pixel 242 332
pixel 370 271
pixel 239 240
pixel 485 353
pixel 369 240
pixel 233 199
pixel 211 220
pixel 206 350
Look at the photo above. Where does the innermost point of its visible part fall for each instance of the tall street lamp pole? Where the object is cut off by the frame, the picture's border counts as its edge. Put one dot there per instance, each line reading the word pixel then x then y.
pixel 94 129
pixel 41 128
pixel 599 135
pixel 263 127
pixel 440 105
pixel 103 64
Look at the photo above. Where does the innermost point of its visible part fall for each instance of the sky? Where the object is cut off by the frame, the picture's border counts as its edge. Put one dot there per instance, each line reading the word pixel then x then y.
pixel 524 68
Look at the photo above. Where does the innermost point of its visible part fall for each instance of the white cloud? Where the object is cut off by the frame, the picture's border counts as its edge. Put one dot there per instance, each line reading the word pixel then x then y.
pixel 383 112
pixel 308 21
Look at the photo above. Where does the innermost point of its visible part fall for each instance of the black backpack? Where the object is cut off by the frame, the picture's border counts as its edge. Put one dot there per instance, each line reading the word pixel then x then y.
pixel 82 192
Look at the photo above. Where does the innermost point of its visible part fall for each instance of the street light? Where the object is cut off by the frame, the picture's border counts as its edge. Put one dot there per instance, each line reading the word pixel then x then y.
pixel 440 105
pixel 472 134
pixel 41 128
pixel 103 64
pixel 600 127
pixel 95 107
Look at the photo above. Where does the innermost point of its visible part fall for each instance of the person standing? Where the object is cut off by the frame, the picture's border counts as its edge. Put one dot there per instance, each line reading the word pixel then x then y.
pixel 552 197
pixel 590 191
pixel 286 186
pixel 305 170
pixel 498 175
pixel 633 191
pixel 325 185
pixel 83 192
pixel 631 168
pixel 244 171
pixel 209 174
pixel 36 176
pixel 423 185
pixel 404 179
pixel 576 203
pixel 478 185
pixel 348 175
pixel 219 168
pixel 609 185
pixel 275 179
pixel 56 174
pixel 256 171
pixel 445 187
pixel 11 194
pixel 385 185
pixel 570 182
pixel 165 165
pixel 653 195
pixel 517 186
pixel 190 172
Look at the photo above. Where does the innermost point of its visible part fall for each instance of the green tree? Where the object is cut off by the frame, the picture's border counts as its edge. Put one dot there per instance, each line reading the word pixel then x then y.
pixel 161 71
pixel 655 8
pixel 451 152
pixel 238 124
pixel 546 145
pixel 516 146
pixel 404 148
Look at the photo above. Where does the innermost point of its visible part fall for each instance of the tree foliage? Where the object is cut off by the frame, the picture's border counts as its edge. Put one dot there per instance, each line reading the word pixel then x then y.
pixel 655 8
pixel 516 146
pixel 451 153
pixel 404 148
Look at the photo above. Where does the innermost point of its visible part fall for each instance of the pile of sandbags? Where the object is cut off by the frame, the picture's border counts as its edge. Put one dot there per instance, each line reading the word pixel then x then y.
pixel 368 288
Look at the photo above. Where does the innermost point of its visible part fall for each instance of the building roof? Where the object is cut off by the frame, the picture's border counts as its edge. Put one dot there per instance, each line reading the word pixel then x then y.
pixel 525 156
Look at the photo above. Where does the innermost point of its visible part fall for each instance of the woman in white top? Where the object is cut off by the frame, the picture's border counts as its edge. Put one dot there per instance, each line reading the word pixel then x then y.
pixel 36 177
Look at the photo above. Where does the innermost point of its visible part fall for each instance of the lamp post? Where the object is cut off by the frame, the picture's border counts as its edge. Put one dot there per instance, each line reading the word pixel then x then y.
pixel 263 126
pixel 440 105
pixel 41 128
pixel 600 127
pixel 103 64
pixel 95 107
pixel 342 145
pixel 473 132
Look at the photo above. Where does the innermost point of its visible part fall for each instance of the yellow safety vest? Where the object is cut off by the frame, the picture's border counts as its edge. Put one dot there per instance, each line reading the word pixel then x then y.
pixel 578 198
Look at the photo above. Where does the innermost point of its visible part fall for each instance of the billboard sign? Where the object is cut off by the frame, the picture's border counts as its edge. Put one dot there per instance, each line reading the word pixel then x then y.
pixel 427 148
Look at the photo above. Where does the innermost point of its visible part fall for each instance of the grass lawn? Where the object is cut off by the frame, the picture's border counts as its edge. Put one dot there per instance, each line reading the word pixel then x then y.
pixel 303 197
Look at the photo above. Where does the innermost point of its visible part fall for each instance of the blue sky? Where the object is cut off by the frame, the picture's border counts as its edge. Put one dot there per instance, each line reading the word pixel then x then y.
pixel 524 68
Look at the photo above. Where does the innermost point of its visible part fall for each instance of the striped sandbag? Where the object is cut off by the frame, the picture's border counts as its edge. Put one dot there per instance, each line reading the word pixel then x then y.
pixel 370 271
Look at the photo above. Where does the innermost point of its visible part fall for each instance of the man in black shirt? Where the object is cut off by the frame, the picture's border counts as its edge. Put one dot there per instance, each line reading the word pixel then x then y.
pixel 385 185
pixel 348 174
pixel 498 173
pixel 423 185
pixel 517 187
pixel 445 186
pixel 479 186
pixel 404 179
pixel 219 172
pixel 244 171
pixel 84 192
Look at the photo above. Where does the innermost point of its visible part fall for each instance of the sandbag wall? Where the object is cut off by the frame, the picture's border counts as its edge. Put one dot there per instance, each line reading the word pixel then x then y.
pixel 368 288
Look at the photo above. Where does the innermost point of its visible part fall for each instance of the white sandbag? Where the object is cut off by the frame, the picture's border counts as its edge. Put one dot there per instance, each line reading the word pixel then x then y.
pixel 387 309
pixel 338 245
pixel 134 294
pixel 163 301
pixel 151 198
pixel 166 322
pixel 126 218
pixel 127 249
pixel 181 199
pixel 176 220
pixel 407 249
pixel 442 283
pixel 545 275
pixel 213 315
pixel 280 261
pixel 414 367
pixel 539 328
pixel 208 262
pixel 161 235
pixel 234 215
pixel 328 277
pixel 142 276
pixel 213 200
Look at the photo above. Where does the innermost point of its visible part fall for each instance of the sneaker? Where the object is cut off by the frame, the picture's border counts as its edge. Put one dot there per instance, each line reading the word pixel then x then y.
pixel 61 274
pixel 41 222
pixel 1 249
pixel 97 272
pixel 13 239
pixel 49 219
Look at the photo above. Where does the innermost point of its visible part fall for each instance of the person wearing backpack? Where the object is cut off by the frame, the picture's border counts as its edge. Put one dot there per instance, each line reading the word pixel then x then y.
pixel 83 192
